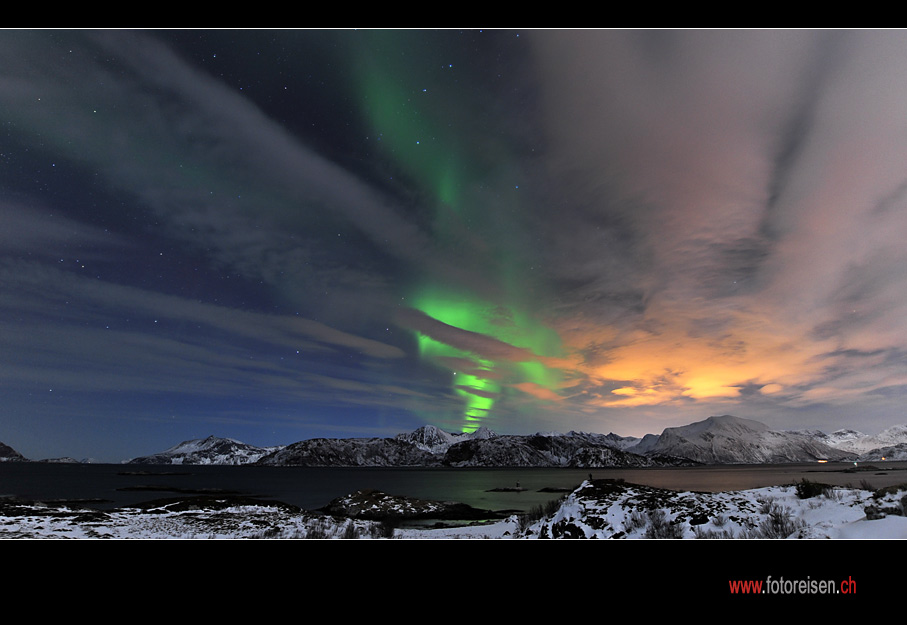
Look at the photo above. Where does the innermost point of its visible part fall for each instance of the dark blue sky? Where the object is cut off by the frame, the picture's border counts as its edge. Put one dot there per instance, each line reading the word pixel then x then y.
pixel 275 235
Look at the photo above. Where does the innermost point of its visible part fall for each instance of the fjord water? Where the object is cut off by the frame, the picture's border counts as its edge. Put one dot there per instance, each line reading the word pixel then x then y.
pixel 106 486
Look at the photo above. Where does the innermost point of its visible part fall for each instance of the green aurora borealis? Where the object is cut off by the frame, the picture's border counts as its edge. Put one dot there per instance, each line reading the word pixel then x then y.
pixel 413 107
pixel 482 381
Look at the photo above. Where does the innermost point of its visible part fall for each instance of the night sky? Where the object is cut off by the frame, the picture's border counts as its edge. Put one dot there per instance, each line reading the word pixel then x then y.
pixel 274 235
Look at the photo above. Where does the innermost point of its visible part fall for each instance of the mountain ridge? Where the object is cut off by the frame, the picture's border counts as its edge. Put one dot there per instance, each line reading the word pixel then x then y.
pixel 210 450
pixel 724 439
pixel 732 440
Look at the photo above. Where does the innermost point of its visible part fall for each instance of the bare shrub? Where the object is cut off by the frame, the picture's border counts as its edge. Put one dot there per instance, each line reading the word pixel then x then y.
pixel 350 531
pixel 711 534
pixel 537 513
pixel 807 489
pixel 636 520
pixel 779 523
pixel 270 532
pixel 525 521
pixel 384 529
pixel 317 529
pixel 552 506
pixel 661 527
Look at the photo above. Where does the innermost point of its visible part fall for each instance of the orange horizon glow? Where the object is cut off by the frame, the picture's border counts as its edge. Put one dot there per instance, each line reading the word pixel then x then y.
pixel 674 364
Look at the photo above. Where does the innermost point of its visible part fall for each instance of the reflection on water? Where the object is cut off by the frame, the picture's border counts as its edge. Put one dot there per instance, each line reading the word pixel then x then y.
pixel 311 488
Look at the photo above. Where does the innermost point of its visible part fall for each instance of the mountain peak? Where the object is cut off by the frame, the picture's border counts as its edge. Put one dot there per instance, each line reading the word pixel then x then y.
pixel 7 453
pixel 434 439
pixel 482 432
pixel 723 423
pixel 210 450
pixel 731 440
pixel 737 421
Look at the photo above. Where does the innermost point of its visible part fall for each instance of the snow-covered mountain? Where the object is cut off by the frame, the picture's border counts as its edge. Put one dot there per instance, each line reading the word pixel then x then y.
pixel 859 443
pixel 645 444
pixel 844 439
pixel 350 452
pixel 430 446
pixel 574 449
pixel 624 443
pixel 732 440
pixel 890 444
pixel 889 452
pixel 435 440
pixel 716 440
pixel 8 454
pixel 211 450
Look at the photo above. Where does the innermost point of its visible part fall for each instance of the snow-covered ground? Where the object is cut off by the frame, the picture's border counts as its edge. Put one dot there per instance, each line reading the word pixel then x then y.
pixel 600 509
pixel 604 509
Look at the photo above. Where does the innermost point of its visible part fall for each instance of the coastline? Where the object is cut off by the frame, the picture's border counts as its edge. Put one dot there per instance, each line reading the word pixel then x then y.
pixel 597 509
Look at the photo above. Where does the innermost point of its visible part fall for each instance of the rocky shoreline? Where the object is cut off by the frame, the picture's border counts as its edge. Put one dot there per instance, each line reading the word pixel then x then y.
pixel 596 509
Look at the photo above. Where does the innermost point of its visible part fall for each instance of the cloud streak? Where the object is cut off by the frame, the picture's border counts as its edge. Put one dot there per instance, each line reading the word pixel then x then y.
pixel 743 175
pixel 644 227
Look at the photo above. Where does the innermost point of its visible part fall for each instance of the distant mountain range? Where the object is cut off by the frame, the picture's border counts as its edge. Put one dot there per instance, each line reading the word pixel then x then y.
pixel 430 446
pixel 211 450
pixel 716 440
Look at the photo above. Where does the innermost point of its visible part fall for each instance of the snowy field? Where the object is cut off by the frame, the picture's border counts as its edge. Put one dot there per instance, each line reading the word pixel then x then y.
pixel 599 509
pixel 605 509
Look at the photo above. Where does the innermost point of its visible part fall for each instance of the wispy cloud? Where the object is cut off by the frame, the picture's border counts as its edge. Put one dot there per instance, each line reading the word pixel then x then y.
pixel 735 181
pixel 93 335
pixel 703 219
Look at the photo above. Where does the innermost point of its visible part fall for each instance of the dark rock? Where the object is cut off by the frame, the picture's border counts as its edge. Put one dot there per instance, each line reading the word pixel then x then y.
pixel 376 505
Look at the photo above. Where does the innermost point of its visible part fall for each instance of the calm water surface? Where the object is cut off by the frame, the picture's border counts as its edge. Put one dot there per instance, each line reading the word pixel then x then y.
pixel 310 488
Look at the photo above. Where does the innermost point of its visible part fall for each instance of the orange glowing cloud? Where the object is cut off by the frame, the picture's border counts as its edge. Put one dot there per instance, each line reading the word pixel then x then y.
pixel 538 391
pixel 676 364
